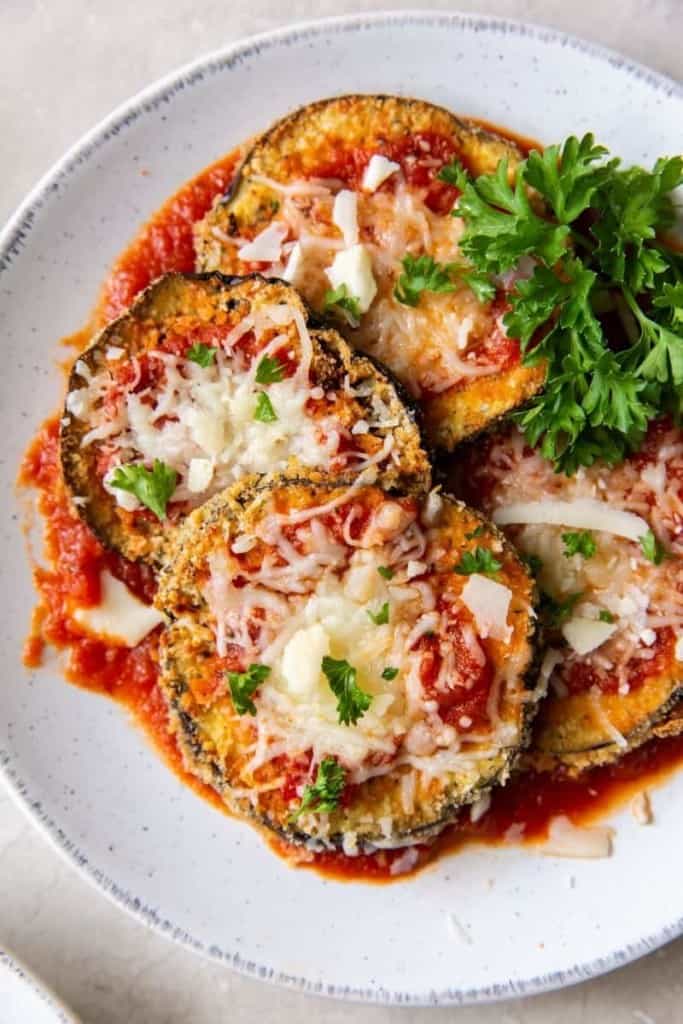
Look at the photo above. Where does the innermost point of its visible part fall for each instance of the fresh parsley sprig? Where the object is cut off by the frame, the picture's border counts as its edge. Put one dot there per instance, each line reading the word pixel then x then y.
pixel 323 795
pixel 352 702
pixel 652 549
pixel 579 543
pixel 341 300
pixel 152 487
pixel 270 370
pixel 263 410
pixel 479 560
pixel 202 355
pixel 593 232
pixel 243 686
pixel 381 617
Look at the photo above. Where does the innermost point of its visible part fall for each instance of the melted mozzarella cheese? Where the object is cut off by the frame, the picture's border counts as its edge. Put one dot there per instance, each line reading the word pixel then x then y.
pixel 120 617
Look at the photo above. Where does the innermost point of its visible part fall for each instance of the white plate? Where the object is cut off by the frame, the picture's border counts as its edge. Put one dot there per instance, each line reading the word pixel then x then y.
pixel 24 999
pixel 73 759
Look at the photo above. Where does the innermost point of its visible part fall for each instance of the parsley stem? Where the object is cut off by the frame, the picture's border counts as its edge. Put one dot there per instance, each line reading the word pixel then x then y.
pixel 642 319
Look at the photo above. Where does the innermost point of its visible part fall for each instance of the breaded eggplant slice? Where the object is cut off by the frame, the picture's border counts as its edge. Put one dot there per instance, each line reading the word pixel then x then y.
pixel 613 608
pixel 278 590
pixel 218 378
pixel 316 202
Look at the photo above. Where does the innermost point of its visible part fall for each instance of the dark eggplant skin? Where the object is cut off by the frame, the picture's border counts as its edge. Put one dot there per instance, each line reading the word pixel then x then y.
pixel 292 145
pixel 189 641
pixel 143 537
pixel 663 721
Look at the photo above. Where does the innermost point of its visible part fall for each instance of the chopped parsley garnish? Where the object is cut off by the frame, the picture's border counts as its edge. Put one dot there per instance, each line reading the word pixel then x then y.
pixel 605 616
pixel 202 355
pixel 597 252
pixel 453 174
pixel 533 563
pixel 580 543
pixel 478 532
pixel 652 549
pixel 480 560
pixel 264 411
pixel 152 487
pixel 381 617
pixel 389 673
pixel 243 686
pixel 422 274
pixel 270 370
pixel 352 702
pixel 323 795
pixel 341 299
pixel 385 572
pixel 556 612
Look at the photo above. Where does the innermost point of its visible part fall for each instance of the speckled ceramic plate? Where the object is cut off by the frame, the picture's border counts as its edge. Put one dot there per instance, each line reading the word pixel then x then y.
pixel 24 999
pixel 483 925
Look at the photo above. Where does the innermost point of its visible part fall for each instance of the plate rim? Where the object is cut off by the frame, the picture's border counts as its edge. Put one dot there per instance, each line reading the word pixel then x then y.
pixel 13 236
pixel 18 966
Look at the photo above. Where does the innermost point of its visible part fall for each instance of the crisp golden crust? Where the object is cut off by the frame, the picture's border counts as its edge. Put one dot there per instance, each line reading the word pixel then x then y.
pixel 310 140
pixel 177 308
pixel 218 744
pixel 577 732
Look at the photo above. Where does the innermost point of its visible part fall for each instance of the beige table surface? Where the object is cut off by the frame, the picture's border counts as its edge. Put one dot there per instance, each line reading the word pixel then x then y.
pixel 63 65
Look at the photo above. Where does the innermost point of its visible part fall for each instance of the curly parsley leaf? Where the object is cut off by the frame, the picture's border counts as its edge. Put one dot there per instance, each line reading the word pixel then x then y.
pixel 323 795
pixel 479 560
pixel 652 549
pixel 501 226
pixel 152 487
pixel 599 397
pixel 264 411
pixel 243 686
pixel 352 702
pixel 634 205
pixel 422 274
pixel 202 355
pixel 567 176
pixel 270 370
pixel 454 174
pixel 381 617
pixel 580 543
pixel 340 299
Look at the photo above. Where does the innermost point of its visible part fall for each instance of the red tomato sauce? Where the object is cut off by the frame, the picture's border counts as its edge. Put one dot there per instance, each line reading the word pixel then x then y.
pixel 76 558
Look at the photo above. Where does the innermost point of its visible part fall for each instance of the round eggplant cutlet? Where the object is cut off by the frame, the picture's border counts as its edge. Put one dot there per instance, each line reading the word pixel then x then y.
pixel 351 199
pixel 607 549
pixel 345 666
pixel 205 379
